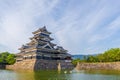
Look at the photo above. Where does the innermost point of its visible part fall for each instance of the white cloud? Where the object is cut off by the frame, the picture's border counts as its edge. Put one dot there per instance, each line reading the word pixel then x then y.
pixel 18 22
pixel 77 25
pixel 84 34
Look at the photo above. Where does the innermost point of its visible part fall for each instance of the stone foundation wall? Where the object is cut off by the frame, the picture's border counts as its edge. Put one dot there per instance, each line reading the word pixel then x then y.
pixel 27 64
pixel 39 64
pixel 98 66
pixel 66 65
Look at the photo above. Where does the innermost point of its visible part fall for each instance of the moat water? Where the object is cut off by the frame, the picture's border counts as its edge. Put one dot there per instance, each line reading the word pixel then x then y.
pixel 63 75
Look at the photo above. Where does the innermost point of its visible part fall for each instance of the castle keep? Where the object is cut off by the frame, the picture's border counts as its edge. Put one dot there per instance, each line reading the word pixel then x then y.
pixel 40 53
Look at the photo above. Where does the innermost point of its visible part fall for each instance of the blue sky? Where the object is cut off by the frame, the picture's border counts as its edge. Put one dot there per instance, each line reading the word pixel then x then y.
pixel 80 26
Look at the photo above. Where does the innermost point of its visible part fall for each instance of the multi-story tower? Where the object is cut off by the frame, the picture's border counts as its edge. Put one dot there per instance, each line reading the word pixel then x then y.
pixel 46 53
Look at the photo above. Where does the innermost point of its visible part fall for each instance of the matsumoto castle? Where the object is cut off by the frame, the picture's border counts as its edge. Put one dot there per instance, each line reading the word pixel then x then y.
pixel 46 54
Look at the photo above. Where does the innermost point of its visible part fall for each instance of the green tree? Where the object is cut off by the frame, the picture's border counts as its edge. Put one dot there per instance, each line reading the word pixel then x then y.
pixel 7 58
pixel 75 61
pixel 91 59
pixel 3 57
pixel 111 55
pixel 10 59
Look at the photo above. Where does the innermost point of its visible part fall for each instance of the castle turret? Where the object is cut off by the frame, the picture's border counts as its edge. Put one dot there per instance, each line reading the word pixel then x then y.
pixel 41 48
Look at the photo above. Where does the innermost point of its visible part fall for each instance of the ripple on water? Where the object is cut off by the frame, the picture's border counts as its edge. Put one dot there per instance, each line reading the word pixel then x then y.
pixel 54 75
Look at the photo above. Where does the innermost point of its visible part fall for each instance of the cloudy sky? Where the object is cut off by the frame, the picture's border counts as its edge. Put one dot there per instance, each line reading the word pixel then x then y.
pixel 80 26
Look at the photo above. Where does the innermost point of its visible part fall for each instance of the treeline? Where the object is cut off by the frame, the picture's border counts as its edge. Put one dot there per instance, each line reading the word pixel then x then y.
pixel 7 58
pixel 111 55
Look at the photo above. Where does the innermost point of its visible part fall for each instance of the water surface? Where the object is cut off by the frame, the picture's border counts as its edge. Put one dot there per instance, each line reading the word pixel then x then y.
pixel 55 75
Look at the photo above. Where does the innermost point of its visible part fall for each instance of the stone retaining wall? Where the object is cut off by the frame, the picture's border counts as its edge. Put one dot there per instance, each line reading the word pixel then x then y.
pixel 98 66
pixel 22 65
pixel 33 64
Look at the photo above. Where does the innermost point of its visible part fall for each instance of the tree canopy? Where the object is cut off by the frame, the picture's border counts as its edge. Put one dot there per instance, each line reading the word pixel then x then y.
pixel 7 58
pixel 111 55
